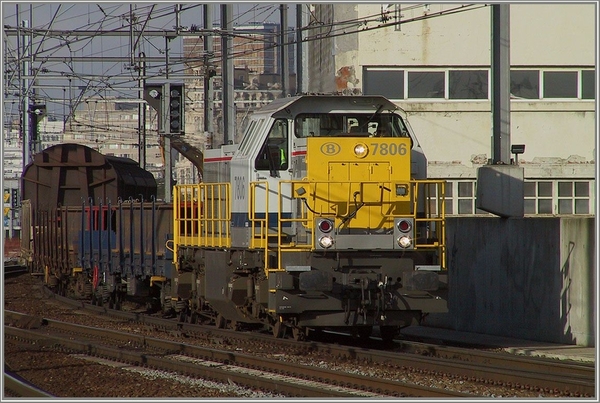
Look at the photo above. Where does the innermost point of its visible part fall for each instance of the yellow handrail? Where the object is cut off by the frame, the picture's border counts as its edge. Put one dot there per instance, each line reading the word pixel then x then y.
pixel 202 214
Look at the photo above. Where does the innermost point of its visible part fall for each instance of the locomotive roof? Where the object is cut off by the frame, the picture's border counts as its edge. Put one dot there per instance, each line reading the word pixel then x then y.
pixel 327 104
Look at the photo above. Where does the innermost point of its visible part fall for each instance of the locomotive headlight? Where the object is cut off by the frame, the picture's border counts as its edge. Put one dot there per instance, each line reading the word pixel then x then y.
pixel 404 242
pixel 361 150
pixel 404 225
pixel 326 242
pixel 325 225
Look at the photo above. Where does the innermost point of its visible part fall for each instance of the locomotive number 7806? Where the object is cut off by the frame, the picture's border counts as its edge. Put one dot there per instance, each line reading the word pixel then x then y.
pixel 389 149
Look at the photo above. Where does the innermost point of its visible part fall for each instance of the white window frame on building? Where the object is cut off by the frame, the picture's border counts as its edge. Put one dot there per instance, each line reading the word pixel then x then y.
pixel 529 83
pixel 559 196
pixel 542 196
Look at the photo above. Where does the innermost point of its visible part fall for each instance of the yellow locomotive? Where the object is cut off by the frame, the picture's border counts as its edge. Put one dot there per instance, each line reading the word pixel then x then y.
pixel 321 218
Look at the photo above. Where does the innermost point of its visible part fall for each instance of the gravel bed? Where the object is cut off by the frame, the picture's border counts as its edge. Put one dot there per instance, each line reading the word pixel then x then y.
pixel 74 375
pixel 24 294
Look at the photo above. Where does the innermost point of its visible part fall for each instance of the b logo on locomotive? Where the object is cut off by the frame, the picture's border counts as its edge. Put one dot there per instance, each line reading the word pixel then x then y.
pixel 331 148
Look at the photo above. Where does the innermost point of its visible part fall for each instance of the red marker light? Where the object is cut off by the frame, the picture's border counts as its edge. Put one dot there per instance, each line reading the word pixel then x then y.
pixel 404 226
pixel 325 225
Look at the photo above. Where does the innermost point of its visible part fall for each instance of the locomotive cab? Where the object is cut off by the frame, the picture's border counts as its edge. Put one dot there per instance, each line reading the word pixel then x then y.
pixel 322 217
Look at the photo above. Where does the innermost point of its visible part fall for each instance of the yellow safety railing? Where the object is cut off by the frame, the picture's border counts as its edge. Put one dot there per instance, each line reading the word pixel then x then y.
pixel 430 218
pixel 273 239
pixel 434 217
pixel 301 219
pixel 201 215
pixel 260 225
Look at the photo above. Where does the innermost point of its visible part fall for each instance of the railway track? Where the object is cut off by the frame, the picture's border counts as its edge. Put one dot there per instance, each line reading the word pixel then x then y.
pixel 497 368
pixel 223 366
pixel 538 375
pixel 15 386
pixel 13 269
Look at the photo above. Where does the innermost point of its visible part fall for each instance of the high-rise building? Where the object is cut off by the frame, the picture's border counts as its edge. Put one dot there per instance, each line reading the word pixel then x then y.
pixel 255 48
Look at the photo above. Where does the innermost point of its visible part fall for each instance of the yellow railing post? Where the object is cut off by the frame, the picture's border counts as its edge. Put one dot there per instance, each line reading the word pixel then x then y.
pixel 438 218
pixel 175 226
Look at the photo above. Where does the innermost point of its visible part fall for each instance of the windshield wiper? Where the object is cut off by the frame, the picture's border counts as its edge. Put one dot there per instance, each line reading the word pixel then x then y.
pixel 377 112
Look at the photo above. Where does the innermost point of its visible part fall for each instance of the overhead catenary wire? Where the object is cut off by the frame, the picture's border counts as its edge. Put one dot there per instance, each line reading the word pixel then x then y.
pixel 118 81
pixel 332 33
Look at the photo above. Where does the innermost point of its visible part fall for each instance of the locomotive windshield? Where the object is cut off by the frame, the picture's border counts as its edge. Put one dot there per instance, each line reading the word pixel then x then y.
pixel 349 125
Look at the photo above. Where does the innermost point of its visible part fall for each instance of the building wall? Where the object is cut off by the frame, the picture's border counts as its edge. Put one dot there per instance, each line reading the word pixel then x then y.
pixel 321 69
pixel 110 127
pixel 12 165
pixel 507 280
pixel 253 48
pixel 451 131
pixel 553 34
pixel 540 34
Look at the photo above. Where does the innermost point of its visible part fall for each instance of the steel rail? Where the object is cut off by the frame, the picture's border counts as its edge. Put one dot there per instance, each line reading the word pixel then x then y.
pixel 12 270
pixel 20 387
pixel 348 385
pixel 480 366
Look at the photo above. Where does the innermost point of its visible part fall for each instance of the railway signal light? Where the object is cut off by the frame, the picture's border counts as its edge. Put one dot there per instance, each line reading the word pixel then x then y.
pixel 176 109
pixel 36 114
pixel 153 95
pixel 168 100
pixel 14 198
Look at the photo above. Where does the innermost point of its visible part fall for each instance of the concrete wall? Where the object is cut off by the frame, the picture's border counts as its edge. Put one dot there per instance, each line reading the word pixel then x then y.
pixel 553 34
pixel 448 133
pixel 437 41
pixel 532 278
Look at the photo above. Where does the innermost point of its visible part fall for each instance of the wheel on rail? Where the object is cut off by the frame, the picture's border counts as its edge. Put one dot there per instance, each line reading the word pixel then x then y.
pixel 97 299
pixel 220 322
pixel 278 329
pixel 363 332
pixel 53 282
pixel 182 316
pixel 193 317
pixel 114 301
pixel 299 333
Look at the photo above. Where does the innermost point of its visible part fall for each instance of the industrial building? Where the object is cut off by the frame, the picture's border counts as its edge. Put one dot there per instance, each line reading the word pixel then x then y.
pixel 434 61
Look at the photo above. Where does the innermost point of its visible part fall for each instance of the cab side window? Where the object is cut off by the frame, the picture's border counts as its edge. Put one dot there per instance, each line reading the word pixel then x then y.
pixel 273 155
